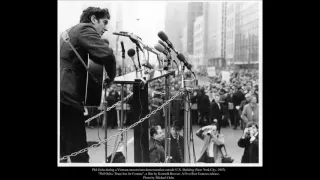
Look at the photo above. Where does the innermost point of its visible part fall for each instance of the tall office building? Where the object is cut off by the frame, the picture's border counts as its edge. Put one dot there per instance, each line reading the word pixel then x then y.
pixel 246 52
pixel 230 32
pixel 184 41
pixel 194 10
pixel 214 30
pixel 198 42
pixel 175 20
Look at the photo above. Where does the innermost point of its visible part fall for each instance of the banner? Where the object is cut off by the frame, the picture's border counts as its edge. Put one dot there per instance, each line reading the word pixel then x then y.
pixel 211 71
pixel 225 76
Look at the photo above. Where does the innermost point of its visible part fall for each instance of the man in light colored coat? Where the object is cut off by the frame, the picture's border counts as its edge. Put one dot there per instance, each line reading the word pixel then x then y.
pixel 211 151
pixel 250 112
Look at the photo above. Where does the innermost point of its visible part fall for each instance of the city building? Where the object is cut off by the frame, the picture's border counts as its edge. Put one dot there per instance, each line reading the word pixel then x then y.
pixel 230 32
pixel 184 41
pixel 175 20
pixel 246 53
pixel 198 42
pixel 214 34
pixel 194 9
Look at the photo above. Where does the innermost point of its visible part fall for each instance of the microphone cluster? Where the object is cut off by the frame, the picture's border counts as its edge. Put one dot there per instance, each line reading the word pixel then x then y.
pixel 163 46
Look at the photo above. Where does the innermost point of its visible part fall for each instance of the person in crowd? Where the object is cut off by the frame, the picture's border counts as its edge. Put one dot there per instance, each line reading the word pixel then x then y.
pixel 130 111
pixel 112 113
pixel 237 98
pixel 243 103
pixel 158 117
pixel 230 106
pixel 217 112
pixel 194 108
pixel 203 106
pixel 224 104
pixel 250 142
pixel 213 140
pixel 256 92
pixel 251 112
pixel 156 149
pixel 176 143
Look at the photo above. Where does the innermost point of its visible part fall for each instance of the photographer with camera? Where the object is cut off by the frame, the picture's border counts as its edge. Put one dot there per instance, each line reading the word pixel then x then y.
pixel 250 142
pixel 210 152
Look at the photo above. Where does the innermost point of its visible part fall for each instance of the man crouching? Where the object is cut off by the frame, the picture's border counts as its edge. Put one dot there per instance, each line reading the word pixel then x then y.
pixel 210 152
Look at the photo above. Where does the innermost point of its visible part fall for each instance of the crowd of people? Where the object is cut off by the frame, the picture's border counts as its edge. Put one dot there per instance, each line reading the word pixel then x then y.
pixel 214 106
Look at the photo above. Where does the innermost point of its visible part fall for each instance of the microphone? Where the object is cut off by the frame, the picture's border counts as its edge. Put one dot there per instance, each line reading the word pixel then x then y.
pixel 123 50
pixel 126 34
pixel 164 45
pixel 148 48
pixel 131 53
pixel 160 48
pixel 180 56
pixel 183 60
pixel 164 38
pixel 134 38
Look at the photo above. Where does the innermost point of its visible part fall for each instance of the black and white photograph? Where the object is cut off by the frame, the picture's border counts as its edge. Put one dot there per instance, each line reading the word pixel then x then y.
pixel 160 83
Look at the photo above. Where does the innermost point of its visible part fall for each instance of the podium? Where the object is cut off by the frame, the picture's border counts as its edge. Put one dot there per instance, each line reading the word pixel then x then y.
pixel 140 81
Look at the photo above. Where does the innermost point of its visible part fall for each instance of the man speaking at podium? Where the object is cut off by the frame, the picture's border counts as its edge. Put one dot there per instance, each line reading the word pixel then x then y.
pixel 85 37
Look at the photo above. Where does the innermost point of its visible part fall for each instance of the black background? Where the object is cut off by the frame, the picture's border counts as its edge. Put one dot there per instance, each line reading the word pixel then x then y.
pixel 43 150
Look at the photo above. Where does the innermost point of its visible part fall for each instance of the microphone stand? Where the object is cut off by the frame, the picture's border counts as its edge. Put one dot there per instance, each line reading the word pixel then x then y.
pixel 122 110
pixel 137 49
pixel 186 132
pixel 159 61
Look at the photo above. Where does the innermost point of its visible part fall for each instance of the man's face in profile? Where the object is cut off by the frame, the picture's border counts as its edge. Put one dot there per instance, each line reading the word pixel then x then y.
pixel 100 25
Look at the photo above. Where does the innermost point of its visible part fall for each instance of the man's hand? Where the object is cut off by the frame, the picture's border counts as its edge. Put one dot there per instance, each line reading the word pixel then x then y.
pixel 252 138
pixel 107 82
pixel 246 130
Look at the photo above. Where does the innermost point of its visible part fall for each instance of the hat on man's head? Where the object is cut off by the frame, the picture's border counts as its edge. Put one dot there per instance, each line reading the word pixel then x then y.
pixel 247 95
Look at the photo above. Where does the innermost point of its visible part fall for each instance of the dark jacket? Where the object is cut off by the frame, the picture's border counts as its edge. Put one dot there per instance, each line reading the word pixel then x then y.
pixel 157 118
pixel 251 150
pixel 237 98
pixel 174 150
pixel 216 112
pixel 73 74
pixel 156 151
pixel 203 103
pixel 112 99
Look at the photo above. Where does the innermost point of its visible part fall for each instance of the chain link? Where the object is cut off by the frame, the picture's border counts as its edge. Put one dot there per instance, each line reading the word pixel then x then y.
pixel 126 129
pixel 108 109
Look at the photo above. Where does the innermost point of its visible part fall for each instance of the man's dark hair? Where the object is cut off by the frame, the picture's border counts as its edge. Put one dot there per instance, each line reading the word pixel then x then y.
pixel 97 12
pixel 153 130
pixel 252 124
